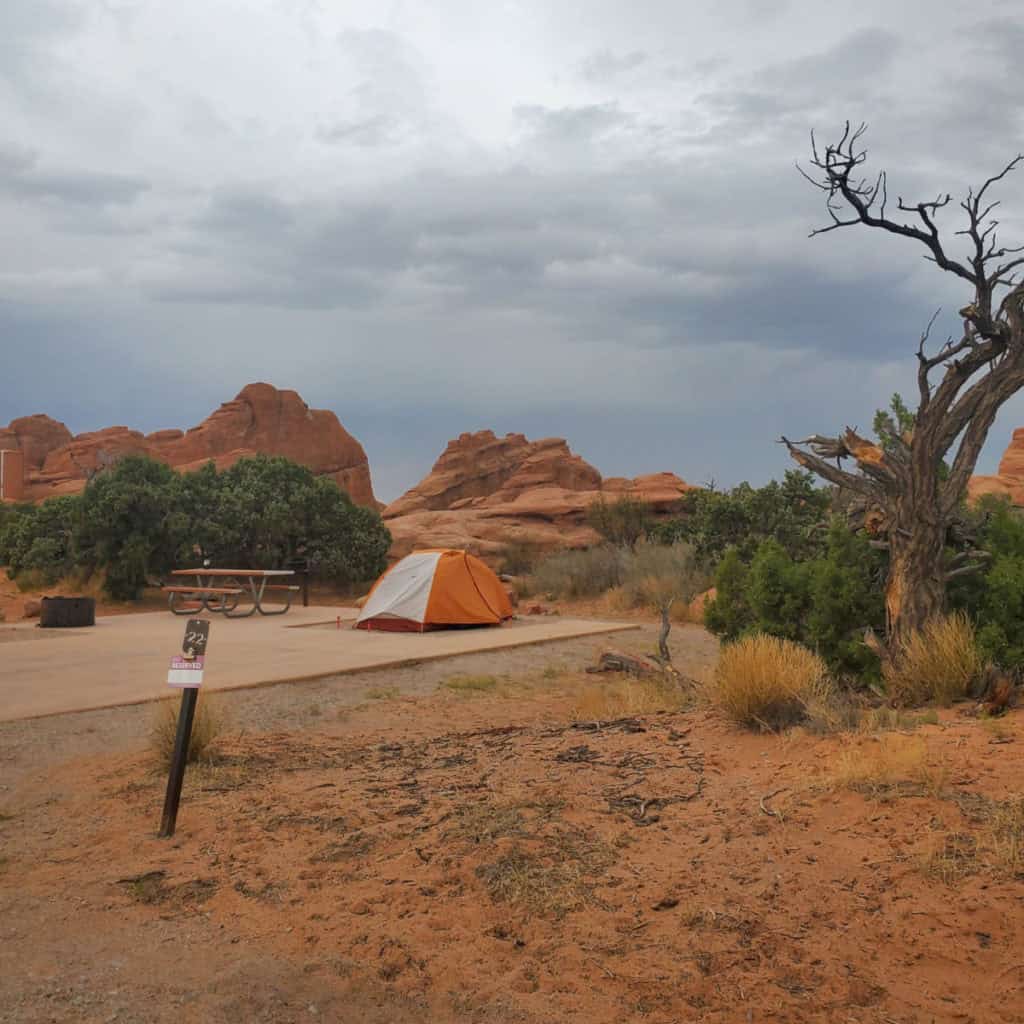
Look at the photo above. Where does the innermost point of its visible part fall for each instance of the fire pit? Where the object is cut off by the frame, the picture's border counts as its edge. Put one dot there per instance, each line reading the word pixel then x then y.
pixel 64 612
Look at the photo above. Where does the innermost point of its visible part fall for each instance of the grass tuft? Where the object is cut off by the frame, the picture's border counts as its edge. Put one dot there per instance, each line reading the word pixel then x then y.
pixel 623 698
pixel 471 685
pixel 207 725
pixel 767 682
pixel 939 664
pixel 890 763
pixel 382 693
pixel 996 848
pixel 554 881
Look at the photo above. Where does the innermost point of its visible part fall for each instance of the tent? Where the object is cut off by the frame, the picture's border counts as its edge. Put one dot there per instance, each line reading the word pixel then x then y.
pixel 433 590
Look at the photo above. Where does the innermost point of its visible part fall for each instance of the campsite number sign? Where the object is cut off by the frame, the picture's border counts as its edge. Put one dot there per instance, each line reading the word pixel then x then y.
pixel 186 671
pixel 187 668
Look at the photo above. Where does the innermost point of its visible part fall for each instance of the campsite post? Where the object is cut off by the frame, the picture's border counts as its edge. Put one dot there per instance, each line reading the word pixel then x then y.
pixel 186 671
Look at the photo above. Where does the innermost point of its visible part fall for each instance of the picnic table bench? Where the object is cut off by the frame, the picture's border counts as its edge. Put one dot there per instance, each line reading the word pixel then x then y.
pixel 219 590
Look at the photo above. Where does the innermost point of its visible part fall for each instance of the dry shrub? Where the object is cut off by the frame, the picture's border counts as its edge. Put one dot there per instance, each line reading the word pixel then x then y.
pixel 207 725
pixel 578 574
pixel 890 763
pixel 646 577
pixel 654 574
pixel 940 663
pixel 622 698
pixel 769 682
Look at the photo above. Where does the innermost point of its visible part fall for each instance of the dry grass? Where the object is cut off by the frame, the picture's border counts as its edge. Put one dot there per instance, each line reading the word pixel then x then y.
pixel 207 725
pixel 470 686
pixel 553 880
pixel 624 697
pixel 646 577
pixel 382 693
pixel 997 848
pixel 891 763
pixel 764 681
pixel 940 664
pixel 483 822
pixel 886 719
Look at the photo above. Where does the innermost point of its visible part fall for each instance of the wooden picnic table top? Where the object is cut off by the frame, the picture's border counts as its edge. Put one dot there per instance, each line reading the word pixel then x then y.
pixel 256 573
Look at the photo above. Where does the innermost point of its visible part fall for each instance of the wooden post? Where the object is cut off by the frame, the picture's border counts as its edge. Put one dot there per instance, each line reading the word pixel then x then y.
pixel 179 758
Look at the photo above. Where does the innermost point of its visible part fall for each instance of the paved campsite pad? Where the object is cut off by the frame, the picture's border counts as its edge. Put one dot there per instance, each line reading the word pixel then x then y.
pixel 123 659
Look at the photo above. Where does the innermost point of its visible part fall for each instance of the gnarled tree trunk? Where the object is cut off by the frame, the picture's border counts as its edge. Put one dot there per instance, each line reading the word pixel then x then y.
pixel 915 588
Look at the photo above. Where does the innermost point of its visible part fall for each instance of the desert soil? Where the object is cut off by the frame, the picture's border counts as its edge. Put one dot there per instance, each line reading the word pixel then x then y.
pixel 530 845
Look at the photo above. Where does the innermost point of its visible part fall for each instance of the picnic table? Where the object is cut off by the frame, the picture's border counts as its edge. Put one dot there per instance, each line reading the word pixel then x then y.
pixel 219 590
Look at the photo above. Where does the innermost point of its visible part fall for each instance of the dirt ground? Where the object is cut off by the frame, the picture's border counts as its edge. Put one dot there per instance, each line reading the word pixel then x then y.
pixel 502 839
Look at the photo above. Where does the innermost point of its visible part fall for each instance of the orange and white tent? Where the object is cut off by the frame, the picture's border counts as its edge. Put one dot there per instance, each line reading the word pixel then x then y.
pixel 434 590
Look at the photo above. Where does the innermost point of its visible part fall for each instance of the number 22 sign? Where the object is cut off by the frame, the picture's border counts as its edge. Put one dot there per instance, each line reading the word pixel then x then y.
pixel 186 669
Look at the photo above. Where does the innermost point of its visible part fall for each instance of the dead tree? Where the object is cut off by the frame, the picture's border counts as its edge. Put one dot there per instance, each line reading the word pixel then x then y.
pixel 913 500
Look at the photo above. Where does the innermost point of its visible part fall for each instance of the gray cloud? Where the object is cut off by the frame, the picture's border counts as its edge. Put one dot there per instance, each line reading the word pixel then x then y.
pixel 605 65
pixel 22 174
pixel 605 239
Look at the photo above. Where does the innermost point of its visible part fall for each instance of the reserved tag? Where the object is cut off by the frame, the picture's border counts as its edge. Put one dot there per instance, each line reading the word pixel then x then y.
pixel 186 671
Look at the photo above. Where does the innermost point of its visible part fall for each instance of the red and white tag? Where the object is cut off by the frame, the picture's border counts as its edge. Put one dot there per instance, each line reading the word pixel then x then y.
pixel 186 672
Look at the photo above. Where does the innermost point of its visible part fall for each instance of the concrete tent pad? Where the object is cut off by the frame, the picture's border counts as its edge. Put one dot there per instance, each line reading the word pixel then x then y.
pixel 124 658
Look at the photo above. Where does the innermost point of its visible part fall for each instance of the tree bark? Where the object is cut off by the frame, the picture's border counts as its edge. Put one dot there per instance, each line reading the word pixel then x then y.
pixel 915 589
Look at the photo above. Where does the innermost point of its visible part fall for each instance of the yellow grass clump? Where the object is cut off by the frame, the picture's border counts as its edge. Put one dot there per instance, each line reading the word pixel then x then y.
pixel 892 762
pixel 939 663
pixel 207 725
pixel 766 681
pixel 623 698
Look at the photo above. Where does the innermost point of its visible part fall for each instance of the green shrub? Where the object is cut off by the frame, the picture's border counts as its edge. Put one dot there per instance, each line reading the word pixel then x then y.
pixel 269 510
pixel 825 603
pixel 138 519
pixel 39 540
pixel 789 512
pixel 728 614
pixel 127 526
pixel 845 599
pixel 994 597
pixel 778 592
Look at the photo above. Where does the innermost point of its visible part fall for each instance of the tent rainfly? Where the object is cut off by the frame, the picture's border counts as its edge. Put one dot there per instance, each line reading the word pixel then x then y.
pixel 435 590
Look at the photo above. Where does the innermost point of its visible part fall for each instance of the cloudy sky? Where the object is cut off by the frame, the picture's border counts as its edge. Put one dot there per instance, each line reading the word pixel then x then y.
pixel 578 218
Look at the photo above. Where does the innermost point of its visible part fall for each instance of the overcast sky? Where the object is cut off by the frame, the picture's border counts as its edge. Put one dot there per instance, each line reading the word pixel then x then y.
pixel 578 218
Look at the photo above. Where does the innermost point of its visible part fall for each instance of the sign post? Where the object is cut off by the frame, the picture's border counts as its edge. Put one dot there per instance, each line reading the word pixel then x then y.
pixel 186 671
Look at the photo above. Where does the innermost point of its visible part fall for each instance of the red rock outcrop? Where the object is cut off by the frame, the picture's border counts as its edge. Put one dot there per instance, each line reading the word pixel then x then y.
pixel 260 420
pixel 486 492
pixel 36 436
pixel 1010 479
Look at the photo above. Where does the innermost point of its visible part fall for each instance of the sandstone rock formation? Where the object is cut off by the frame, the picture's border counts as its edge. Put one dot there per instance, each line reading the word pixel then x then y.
pixel 260 420
pixel 487 492
pixel 1010 479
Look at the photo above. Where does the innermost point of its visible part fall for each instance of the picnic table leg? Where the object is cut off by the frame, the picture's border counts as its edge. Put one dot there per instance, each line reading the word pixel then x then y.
pixel 278 611
pixel 251 583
